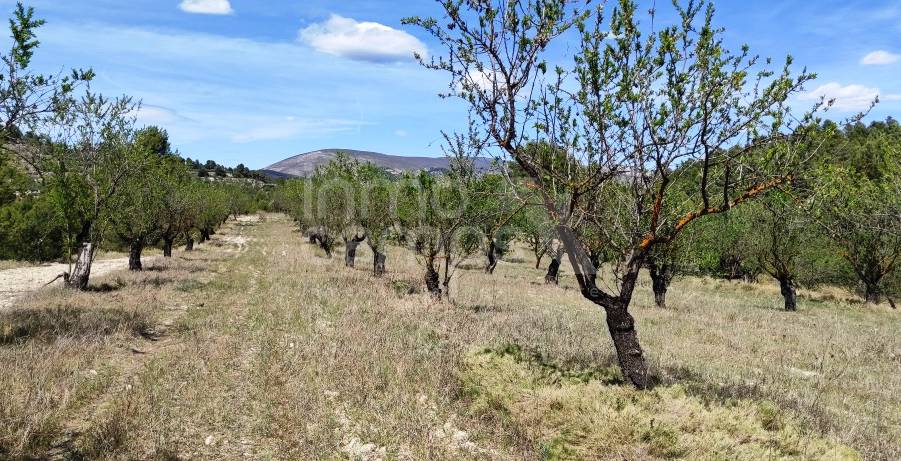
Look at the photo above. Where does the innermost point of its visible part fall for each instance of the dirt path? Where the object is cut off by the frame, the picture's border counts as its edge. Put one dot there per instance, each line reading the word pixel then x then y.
pixel 16 282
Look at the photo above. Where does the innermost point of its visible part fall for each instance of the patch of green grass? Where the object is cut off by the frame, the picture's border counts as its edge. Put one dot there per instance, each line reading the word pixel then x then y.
pixel 187 286
pixel 574 415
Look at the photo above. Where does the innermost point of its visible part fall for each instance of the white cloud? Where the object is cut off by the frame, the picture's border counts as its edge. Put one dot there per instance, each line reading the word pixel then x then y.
pixel 362 41
pixel 880 58
pixel 401 133
pixel 206 6
pixel 847 97
pixel 221 96
pixel 154 115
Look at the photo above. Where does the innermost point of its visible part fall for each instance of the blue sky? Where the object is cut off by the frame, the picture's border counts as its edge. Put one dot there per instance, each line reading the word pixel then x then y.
pixel 250 81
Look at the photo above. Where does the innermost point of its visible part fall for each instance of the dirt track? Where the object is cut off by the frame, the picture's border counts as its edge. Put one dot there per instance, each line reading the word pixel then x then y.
pixel 16 282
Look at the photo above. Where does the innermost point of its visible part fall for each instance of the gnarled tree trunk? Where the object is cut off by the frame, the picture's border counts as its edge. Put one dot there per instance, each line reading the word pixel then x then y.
pixel 167 246
pixel 553 271
pixel 326 247
pixel 620 322
pixel 621 325
pixel 661 276
pixel 432 283
pixel 492 257
pixel 81 273
pixel 350 253
pixel 419 245
pixel 134 255
pixel 189 242
pixel 378 263
pixel 871 293
pixel 787 287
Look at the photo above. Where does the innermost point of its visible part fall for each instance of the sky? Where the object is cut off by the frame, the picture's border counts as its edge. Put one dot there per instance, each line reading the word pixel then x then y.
pixel 254 82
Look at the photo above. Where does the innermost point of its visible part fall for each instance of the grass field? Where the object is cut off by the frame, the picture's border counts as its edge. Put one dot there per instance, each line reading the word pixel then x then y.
pixel 258 347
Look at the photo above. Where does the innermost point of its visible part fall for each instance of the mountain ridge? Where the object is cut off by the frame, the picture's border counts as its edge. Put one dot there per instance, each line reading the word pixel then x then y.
pixel 304 165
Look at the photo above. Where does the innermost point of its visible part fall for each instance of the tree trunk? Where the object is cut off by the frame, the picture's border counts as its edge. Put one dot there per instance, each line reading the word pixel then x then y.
pixel 167 246
pixel 78 279
pixel 620 323
pixel 492 258
pixel 595 258
pixel 419 245
pixel 538 261
pixel 204 235
pixel 134 255
pixel 431 282
pixel 350 253
pixel 660 280
pixel 189 242
pixel 326 246
pixel 553 272
pixel 378 263
pixel 660 287
pixel 625 339
pixel 445 285
pixel 871 292
pixel 787 287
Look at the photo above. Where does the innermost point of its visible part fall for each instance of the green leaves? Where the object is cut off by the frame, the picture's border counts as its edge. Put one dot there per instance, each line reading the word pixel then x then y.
pixel 26 99
pixel 22 26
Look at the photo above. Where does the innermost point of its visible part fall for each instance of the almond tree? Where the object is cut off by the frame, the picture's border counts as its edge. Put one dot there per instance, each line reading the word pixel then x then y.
pixel 436 212
pixel 861 217
pixel 136 211
pixel 90 157
pixel 373 211
pixel 174 208
pixel 535 230
pixel 332 205
pixel 637 103
pixel 494 208
pixel 858 206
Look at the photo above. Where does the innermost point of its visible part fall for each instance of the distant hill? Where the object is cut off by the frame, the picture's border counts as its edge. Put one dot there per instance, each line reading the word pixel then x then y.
pixel 304 165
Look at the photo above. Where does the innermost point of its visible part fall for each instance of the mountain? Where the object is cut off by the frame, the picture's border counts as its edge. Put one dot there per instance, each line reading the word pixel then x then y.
pixel 304 165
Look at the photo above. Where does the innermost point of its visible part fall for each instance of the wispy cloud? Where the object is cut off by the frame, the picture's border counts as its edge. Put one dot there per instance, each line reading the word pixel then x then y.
pixel 290 127
pixel 148 114
pixel 363 41
pixel 880 58
pixel 206 6
pixel 847 97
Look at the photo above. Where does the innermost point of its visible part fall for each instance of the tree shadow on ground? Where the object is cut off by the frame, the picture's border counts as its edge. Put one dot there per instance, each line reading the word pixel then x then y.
pixel 555 368
pixel 49 324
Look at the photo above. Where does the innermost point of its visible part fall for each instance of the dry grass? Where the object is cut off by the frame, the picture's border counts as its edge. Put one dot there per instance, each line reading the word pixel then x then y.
pixel 260 348
pixel 576 415
pixel 4 265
